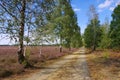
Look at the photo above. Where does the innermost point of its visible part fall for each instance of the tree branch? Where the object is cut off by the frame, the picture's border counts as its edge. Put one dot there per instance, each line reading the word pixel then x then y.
pixel 8 12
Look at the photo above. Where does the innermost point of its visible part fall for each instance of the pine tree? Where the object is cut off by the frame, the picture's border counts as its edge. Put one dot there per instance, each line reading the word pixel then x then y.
pixel 92 34
pixel 115 28
pixel 105 41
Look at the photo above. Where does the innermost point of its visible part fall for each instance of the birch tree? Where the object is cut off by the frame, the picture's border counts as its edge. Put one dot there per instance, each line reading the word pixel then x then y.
pixel 17 16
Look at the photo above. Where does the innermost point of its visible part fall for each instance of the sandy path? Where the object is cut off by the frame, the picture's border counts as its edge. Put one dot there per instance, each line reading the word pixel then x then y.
pixel 70 67
pixel 76 69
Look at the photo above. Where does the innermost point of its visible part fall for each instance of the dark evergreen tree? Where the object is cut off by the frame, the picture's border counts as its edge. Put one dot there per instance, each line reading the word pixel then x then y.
pixel 92 34
pixel 92 31
pixel 105 41
pixel 115 28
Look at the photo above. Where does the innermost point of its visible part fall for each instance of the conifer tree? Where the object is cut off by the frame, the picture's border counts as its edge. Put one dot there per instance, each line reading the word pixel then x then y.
pixel 115 28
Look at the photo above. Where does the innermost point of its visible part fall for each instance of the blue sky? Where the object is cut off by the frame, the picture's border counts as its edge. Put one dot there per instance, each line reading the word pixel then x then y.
pixel 103 7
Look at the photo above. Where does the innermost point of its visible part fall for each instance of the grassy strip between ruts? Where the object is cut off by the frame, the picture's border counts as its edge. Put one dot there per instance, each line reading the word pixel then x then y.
pixel 104 65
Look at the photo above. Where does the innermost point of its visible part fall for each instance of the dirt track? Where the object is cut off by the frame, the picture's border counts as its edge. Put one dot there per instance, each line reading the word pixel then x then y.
pixel 70 67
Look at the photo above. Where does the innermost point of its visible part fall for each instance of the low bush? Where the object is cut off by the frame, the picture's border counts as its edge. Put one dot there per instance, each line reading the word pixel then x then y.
pixel 106 55
pixel 4 73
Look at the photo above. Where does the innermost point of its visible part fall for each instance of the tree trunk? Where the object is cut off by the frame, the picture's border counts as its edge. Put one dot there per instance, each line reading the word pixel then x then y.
pixel 21 57
pixel 94 48
pixel 60 48
pixel 94 37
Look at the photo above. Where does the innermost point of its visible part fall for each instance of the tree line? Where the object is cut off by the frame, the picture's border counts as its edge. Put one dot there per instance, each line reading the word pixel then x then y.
pixel 37 22
pixel 105 36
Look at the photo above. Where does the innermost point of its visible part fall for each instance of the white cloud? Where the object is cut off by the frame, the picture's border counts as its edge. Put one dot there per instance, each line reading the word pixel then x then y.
pixel 76 9
pixel 111 8
pixel 73 5
pixel 106 4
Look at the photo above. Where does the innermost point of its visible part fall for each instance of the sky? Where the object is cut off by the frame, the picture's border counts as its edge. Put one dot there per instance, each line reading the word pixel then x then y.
pixel 104 9
pixel 81 7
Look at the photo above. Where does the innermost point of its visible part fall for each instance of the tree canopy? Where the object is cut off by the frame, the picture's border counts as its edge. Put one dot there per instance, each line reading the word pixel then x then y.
pixel 92 34
pixel 47 20
pixel 115 28
pixel 20 16
pixel 63 24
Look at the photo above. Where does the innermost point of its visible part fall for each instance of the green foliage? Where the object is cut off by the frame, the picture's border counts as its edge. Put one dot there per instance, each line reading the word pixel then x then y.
pixel 37 13
pixel 88 36
pixel 68 26
pixel 106 55
pixel 92 31
pixel 27 52
pixel 77 41
pixel 105 42
pixel 24 63
pixel 27 39
pixel 115 28
pixel 20 16
pixel 62 26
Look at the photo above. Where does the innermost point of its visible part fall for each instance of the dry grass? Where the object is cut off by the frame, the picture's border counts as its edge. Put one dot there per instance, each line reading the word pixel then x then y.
pixel 104 65
pixel 8 58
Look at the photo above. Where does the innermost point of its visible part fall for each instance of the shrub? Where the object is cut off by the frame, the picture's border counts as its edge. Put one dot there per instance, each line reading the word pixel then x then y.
pixel 4 73
pixel 106 55
pixel 27 53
